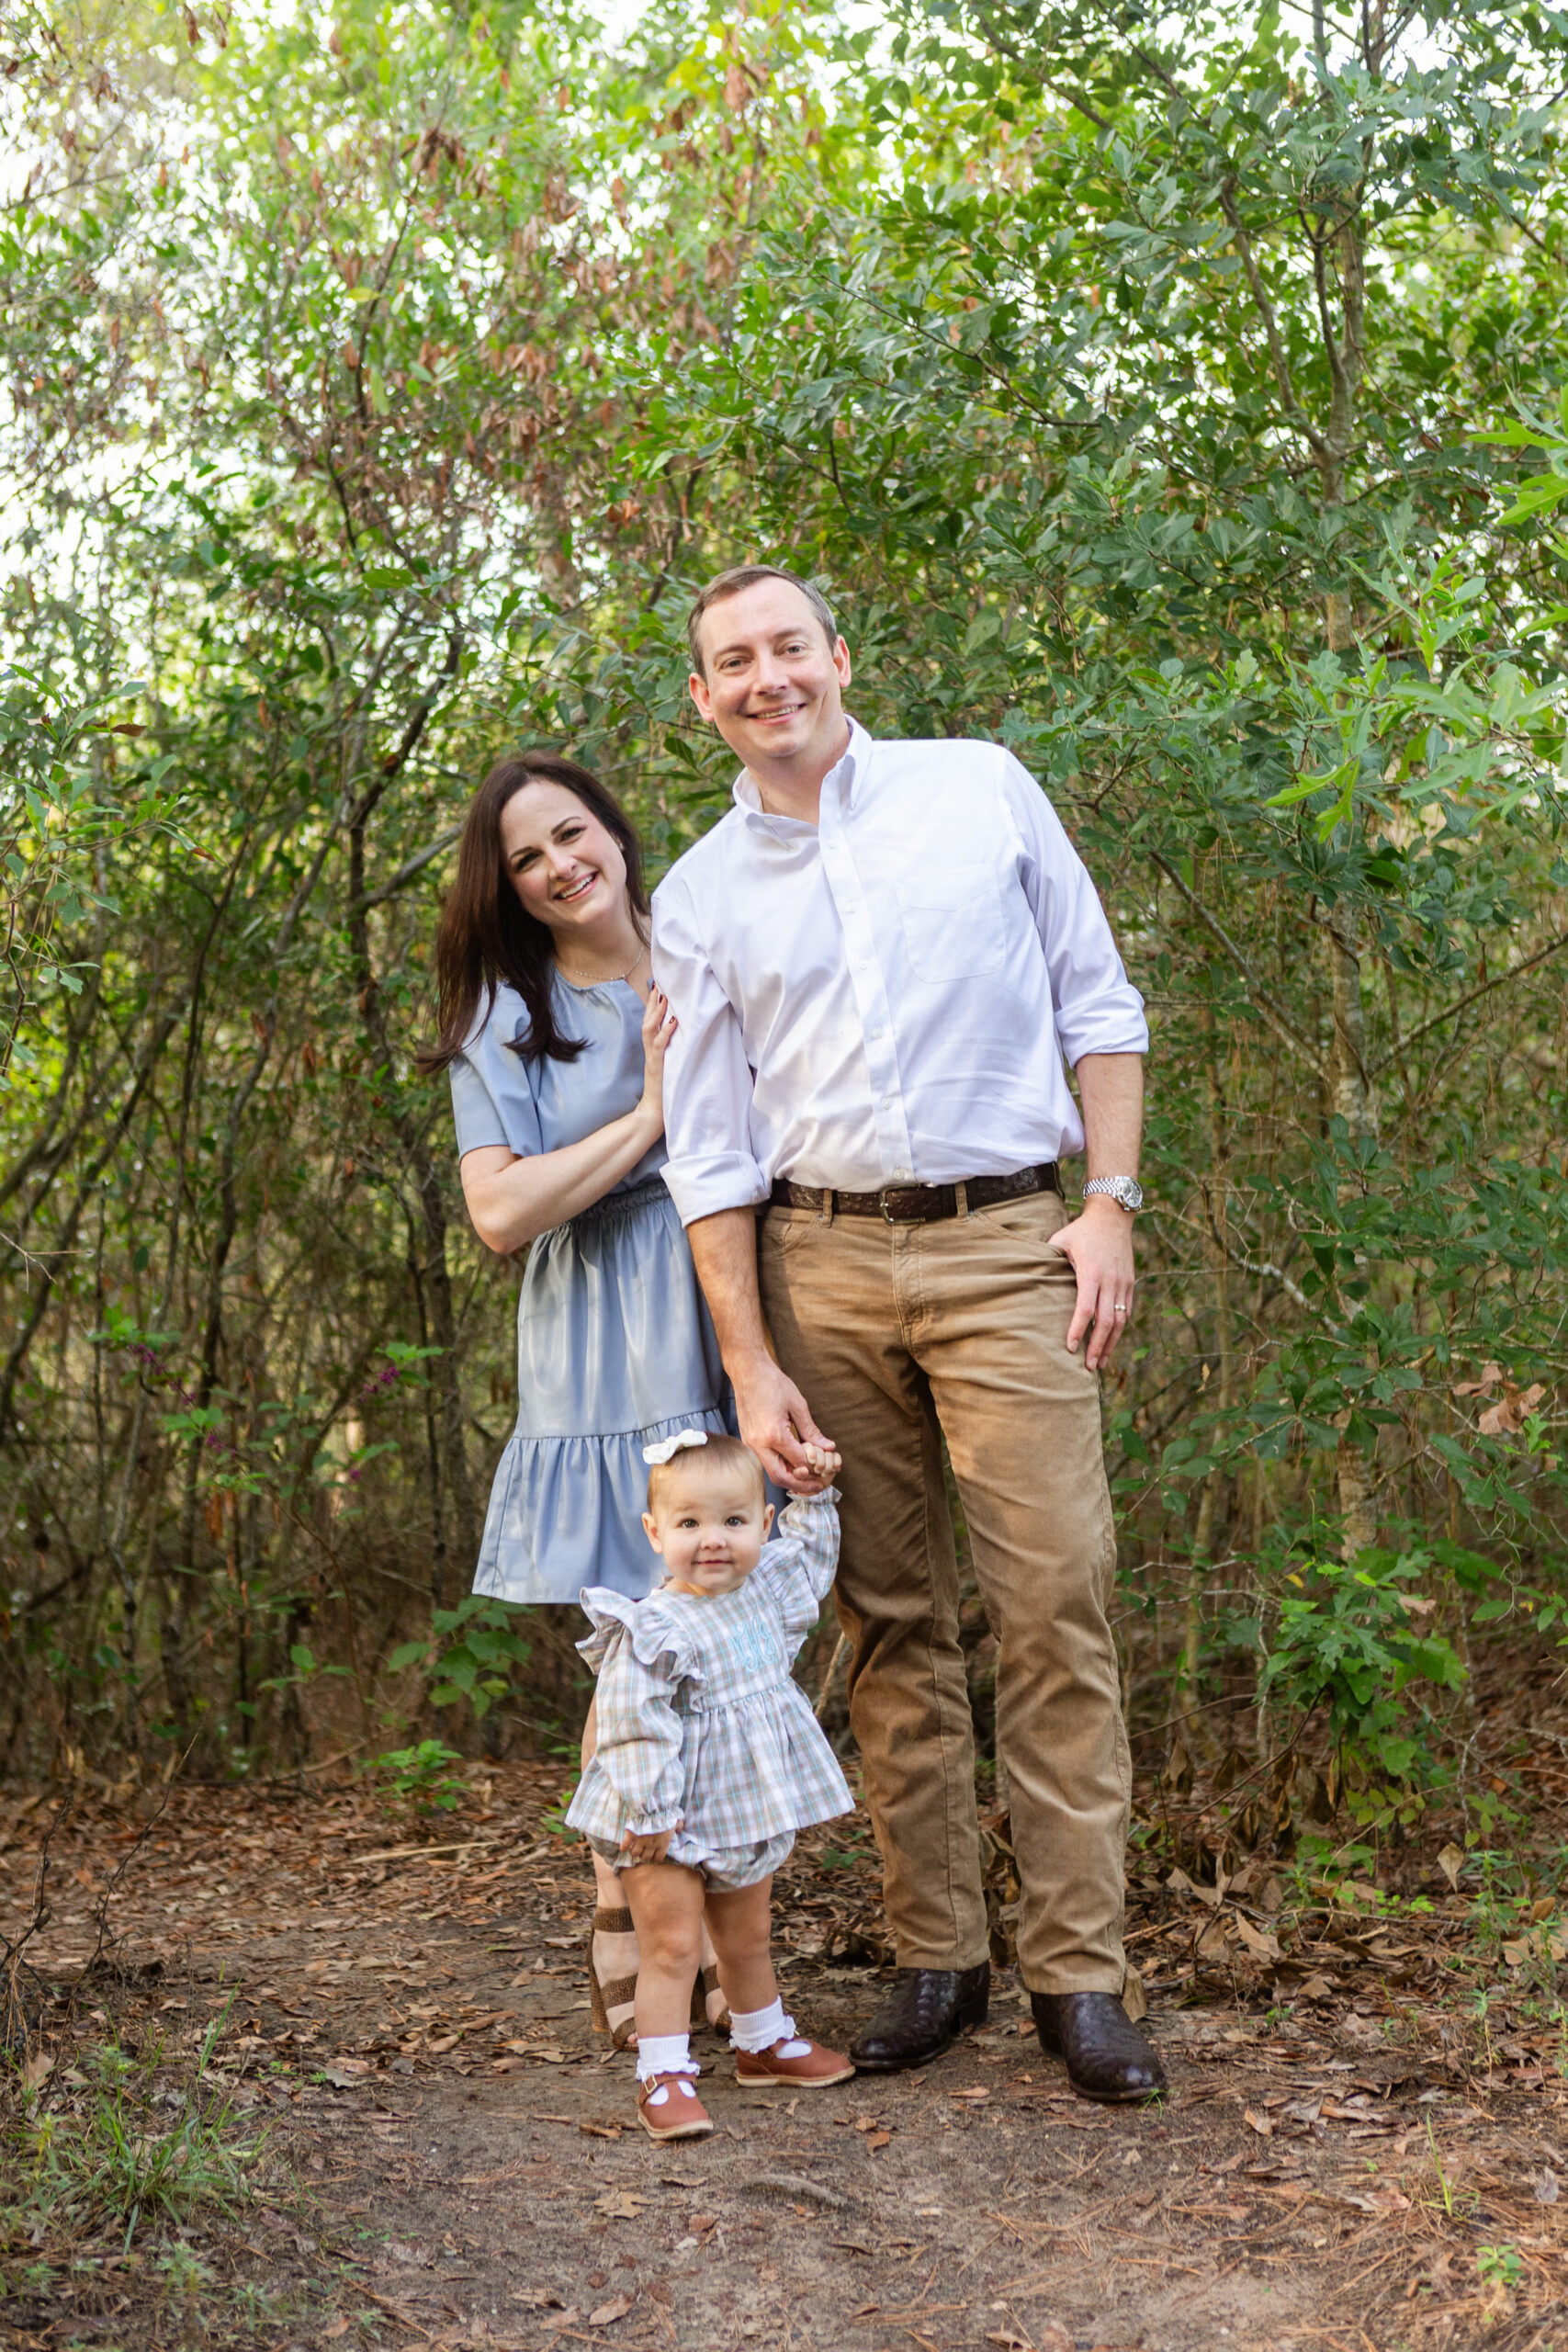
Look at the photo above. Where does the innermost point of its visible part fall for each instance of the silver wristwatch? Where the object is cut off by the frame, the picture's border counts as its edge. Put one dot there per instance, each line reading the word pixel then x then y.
pixel 1125 1191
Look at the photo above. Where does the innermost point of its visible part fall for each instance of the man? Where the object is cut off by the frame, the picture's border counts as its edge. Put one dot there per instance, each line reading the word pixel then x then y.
pixel 877 960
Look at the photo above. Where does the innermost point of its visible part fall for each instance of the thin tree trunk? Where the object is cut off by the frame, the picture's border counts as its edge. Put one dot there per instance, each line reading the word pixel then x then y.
pixel 1351 1094
pixel 218 1259
pixel 1219 1262
pixel 1355 1103
pixel 434 1276
pixel 65 1238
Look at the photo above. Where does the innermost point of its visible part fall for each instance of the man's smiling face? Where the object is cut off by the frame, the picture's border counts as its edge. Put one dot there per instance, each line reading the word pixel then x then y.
pixel 773 684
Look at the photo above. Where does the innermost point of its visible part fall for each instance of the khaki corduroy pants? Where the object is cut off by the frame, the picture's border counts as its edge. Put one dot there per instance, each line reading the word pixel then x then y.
pixel 899 1336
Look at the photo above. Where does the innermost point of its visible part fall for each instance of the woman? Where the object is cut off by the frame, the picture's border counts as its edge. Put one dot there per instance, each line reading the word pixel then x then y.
pixel 554 1037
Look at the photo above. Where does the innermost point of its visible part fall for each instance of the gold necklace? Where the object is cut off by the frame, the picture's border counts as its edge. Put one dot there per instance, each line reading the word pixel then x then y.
pixel 603 980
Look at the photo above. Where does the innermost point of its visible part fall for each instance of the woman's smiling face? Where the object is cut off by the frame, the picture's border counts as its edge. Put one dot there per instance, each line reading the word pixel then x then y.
pixel 566 866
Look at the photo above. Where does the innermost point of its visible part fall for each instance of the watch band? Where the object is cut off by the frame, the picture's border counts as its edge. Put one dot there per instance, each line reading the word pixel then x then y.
pixel 1125 1191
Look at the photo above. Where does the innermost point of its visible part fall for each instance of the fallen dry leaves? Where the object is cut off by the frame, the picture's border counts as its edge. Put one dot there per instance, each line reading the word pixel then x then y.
pixel 1338 2101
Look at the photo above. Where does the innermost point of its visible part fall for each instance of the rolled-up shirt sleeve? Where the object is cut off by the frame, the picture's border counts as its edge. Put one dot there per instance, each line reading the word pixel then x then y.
pixel 707 1078
pixel 1098 1010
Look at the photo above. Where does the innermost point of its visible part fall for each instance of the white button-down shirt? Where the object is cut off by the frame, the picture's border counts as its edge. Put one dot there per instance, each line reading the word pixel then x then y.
pixel 886 996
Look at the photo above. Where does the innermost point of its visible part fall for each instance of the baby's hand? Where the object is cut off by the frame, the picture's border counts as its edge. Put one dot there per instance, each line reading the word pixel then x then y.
pixel 646 1848
pixel 824 1461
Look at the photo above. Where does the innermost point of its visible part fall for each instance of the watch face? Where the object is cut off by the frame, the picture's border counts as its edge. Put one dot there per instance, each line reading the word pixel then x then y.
pixel 1125 1191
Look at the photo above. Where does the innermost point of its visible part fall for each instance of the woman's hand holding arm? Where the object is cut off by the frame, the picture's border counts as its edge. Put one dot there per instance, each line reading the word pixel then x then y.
pixel 511 1199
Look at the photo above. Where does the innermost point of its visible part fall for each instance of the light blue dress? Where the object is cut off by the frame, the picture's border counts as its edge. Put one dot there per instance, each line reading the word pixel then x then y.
pixel 615 1345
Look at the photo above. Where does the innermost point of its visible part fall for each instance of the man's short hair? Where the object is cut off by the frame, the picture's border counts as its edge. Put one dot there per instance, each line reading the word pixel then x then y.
pixel 746 575
pixel 721 1454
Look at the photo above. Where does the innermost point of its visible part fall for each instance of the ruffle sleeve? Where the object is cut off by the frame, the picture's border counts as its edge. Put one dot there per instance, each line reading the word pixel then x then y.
pixel 639 1659
pixel 652 1637
pixel 800 1563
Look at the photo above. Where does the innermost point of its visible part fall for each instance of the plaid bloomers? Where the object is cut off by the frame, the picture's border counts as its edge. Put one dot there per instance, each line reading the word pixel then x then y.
pixel 721 1873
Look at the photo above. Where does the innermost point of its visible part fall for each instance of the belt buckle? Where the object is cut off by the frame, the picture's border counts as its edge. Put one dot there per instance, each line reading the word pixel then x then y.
pixel 888 1215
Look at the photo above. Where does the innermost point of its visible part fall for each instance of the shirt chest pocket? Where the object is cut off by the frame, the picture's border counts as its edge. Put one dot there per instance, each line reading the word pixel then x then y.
pixel 954 923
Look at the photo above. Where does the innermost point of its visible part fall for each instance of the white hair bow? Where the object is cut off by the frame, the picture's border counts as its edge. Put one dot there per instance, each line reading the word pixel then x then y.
pixel 669 1447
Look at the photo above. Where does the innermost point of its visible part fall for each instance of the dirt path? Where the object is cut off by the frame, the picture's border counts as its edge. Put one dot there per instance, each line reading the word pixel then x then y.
pixel 411 2021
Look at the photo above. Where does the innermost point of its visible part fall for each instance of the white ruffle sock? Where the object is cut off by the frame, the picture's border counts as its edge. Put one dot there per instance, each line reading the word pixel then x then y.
pixel 759 2029
pixel 664 2053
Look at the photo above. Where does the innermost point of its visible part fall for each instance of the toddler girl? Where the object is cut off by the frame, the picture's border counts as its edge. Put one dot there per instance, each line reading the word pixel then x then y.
pixel 710 1759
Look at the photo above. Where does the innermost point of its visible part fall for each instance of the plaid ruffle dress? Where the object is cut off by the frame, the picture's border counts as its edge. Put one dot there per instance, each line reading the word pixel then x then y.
pixel 700 1723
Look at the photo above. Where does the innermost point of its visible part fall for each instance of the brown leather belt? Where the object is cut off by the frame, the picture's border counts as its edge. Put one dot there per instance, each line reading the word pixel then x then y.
pixel 920 1203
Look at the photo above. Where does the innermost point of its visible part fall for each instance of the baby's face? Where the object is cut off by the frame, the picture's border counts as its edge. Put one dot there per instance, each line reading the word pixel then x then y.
pixel 709 1529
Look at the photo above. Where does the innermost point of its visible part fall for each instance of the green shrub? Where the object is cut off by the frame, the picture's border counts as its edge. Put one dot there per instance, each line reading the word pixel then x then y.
pixel 469 1653
pixel 1347 1640
pixel 418 1778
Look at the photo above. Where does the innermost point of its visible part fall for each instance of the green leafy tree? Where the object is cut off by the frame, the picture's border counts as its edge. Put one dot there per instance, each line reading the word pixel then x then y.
pixel 1173 400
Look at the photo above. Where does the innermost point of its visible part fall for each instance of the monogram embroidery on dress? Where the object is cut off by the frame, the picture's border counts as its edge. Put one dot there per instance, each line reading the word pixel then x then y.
pixel 751 1647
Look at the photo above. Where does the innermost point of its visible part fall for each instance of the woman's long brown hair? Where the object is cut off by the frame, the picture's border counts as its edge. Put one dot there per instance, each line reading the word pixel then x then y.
pixel 486 935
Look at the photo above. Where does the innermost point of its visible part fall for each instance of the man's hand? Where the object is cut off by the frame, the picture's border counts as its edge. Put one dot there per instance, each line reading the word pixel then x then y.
pixel 1100 1239
pixel 642 1848
pixel 1099 1244
pixel 777 1423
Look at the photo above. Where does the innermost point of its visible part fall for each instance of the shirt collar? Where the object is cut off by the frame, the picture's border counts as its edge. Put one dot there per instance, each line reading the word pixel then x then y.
pixel 842 778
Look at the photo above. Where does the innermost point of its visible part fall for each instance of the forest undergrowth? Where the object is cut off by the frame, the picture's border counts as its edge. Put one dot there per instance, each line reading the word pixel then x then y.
pixel 1186 413
pixel 310 2063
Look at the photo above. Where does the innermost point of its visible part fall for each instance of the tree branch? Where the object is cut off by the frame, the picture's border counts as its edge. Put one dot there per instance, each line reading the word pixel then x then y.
pixel 1265 308
pixel 1262 1001
pixel 407 871
pixel 1325 316
pixel 1451 1012
pixel 407 742
pixel 65 1238
pixel 985 19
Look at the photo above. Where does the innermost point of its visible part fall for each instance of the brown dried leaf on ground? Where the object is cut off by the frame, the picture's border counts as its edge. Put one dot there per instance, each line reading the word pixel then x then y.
pixel 1369 2072
pixel 608 2314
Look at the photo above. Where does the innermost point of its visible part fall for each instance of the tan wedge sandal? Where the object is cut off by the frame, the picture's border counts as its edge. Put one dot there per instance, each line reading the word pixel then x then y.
pixel 702 1990
pixel 710 2010
pixel 612 2005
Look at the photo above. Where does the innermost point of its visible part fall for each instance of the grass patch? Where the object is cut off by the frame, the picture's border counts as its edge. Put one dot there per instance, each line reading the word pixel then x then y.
pixel 132 2179
pixel 135 2148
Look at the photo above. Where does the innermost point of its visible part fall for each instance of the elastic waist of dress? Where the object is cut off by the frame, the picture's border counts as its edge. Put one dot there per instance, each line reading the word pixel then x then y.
pixel 738 1704
pixel 635 1198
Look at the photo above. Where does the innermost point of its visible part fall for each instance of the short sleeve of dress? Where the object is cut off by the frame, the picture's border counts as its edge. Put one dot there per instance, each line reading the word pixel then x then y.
pixel 474 1114
pixel 492 1102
